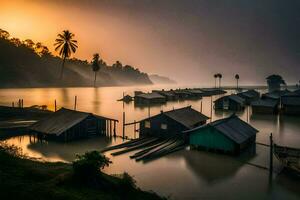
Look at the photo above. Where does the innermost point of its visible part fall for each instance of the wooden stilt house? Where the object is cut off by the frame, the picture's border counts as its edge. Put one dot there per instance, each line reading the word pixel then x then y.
pixel 230 102
pixel 230 135
pixel 171 123
pixel 66 125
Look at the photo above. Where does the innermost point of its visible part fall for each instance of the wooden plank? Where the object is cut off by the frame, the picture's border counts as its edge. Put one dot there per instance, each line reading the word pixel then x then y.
pixel 138 146
pixel 126 144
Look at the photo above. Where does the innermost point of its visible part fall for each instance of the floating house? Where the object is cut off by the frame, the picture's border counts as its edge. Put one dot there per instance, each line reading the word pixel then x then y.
pixel 195 93
pixel 275 95
pixel 149 98
pixel 182 94
pixel 172 122
pixel 66 125
pixel 229 135
pixel 212 91
pixel 290 104
pixel 230 102
pixel 249 96
pixel 169 95
pixel 264 106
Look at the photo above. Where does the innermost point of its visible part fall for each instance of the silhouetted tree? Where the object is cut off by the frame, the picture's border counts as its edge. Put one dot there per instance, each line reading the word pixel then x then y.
pixel 220 77
pixel 16 41
pixel 95 66
pixel 215 76
pixel 29 43
pixel 4 34
pixel 237 77
pixel 274 81
pixel 66 46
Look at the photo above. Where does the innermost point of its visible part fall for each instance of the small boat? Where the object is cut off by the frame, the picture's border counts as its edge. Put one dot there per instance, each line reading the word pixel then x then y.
pixel 289 157
pixel 126 98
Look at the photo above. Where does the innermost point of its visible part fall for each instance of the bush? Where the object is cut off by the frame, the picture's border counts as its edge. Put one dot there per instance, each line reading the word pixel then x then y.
pixel 127 182
pixel 88 166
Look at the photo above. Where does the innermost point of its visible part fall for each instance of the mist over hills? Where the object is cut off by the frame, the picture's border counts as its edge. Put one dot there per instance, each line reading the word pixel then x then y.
pixel 21 66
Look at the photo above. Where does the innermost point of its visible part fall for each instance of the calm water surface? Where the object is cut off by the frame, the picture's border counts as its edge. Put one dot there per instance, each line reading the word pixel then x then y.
pixel 182 175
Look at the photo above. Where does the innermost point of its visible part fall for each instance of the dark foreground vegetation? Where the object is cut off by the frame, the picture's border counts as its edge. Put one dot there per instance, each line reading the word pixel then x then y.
pixel 22 178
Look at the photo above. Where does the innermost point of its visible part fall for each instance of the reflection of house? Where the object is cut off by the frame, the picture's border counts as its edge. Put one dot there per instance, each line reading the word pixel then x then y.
pixel 227 135
pixel 264 106
pixel 290 104
pixel 66 125
pixel 172 122
pixel 149 98
pixel 230 102
pixel 249 96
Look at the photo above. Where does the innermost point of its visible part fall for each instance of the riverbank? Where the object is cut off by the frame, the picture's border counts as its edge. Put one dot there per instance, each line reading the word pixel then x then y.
pixel 22 178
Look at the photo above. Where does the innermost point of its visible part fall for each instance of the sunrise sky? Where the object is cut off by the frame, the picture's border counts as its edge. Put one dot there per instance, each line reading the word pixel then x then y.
pixel 186 40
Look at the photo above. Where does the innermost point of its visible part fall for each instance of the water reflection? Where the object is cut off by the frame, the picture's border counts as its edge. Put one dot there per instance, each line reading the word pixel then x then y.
pixel 185 174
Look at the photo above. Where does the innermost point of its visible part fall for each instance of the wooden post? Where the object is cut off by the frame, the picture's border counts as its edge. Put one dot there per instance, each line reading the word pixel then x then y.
pixel 211 107
pixel 115 128
pixel 271 156
pixel 19 103
pixel 134 127
pixel 123 125
pixel 75 102
pixel 148 110
pixel 22 105
pixel 201 107
pixel 110 128
pixel 13 104
pixel 55 105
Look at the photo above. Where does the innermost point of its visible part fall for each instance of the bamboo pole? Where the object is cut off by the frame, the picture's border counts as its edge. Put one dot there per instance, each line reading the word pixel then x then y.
pixel 123 124
pixel 211 107
pixel 134 127
pixel 115 128
pixel 271 157
pixel 75 103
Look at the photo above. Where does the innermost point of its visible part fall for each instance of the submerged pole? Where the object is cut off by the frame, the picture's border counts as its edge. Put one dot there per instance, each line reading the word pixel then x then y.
pixel 201 106
pixel 211 107
pixel 115 128
pixel 123 124
pixel 271 156
pixel 75 102
pixel 134 127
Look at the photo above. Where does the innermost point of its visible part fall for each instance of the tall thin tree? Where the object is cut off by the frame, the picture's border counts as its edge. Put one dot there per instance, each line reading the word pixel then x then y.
pixel 237 77
pixel 95 66
pixel 66 45
pixel 215 76
pixel 220 77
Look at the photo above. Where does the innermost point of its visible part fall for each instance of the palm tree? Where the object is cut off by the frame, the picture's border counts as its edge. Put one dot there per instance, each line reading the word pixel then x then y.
pixel 95 66
pixel 237 77
pixel 66 45
pixel 215 76
pixel 220 77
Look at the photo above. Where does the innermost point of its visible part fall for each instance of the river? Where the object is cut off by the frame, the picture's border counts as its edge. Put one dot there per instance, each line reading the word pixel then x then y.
pixel 187 174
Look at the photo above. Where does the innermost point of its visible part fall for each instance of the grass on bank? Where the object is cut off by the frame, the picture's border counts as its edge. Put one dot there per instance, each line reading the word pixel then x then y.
pixel 22 178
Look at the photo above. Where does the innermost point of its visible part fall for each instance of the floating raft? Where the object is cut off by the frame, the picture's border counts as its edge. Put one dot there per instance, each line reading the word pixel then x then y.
pixel 149 148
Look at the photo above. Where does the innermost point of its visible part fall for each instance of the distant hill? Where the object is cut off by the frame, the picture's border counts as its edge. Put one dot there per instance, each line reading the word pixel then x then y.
pixel 157 79
pixel 21 66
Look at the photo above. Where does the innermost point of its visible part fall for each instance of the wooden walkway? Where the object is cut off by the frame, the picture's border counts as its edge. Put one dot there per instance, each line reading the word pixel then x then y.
pixel 148 148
